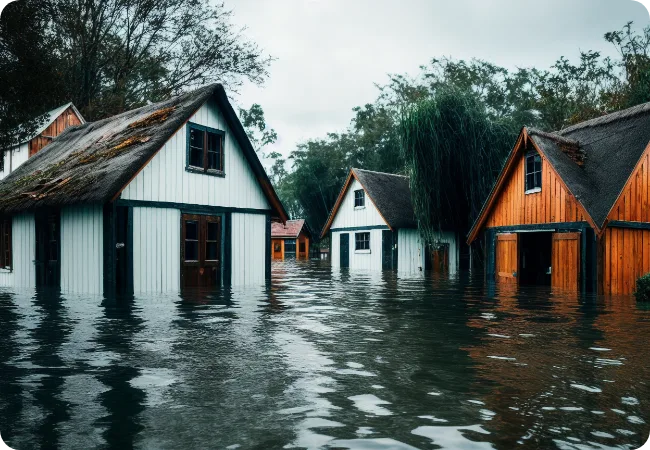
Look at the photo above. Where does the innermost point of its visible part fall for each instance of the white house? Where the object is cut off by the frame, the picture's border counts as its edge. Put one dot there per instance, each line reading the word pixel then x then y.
pixel 53 123
pixel 166 197
pixel 373 227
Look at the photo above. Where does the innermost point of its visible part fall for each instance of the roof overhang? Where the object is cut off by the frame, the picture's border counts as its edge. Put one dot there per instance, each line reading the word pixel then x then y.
pixel 522 142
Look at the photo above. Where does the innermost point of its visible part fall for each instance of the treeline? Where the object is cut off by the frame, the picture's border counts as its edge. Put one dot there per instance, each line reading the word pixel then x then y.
pixel 109 56
pixel 451 127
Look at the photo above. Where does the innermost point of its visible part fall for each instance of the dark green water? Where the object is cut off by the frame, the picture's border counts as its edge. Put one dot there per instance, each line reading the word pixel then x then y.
pixel 357 360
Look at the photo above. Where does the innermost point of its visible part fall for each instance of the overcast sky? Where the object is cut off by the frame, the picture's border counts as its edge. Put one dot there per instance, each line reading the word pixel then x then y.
pixel 331 52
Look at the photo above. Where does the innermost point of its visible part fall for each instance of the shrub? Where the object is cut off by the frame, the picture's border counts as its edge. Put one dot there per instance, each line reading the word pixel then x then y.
pixel 642 293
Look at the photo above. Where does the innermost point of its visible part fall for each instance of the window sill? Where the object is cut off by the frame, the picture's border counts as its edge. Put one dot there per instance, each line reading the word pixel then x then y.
pixel 5 270
pixel 533 191
pixel 201 171
pixel 362 251
pixel 356 208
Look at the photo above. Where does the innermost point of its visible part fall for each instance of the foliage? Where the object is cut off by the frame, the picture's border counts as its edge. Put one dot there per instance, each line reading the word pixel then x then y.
pixel 468 100
pixel 453 152
pixel 642 293
pixel 109 56
pixel 254 123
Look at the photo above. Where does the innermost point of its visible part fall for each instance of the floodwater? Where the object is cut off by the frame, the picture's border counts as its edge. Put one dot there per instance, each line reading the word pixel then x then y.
pixel 350 360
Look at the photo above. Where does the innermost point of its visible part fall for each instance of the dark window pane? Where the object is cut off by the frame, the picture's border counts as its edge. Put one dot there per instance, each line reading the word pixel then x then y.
pixel 211 251
pixel 359 198
pixel 213 229
pixel 538 163
pixel 196 148
pixel 530 165
pixel 214 151
pixel 362 241
pixel 290 246
pixel 530 181
pixel 191 250
pixel 192 230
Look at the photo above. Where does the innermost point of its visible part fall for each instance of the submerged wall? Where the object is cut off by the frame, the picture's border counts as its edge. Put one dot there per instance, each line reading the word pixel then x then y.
pixel 23 245
pixel 82 249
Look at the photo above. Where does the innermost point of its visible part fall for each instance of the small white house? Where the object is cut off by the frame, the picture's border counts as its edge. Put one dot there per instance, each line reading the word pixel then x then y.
pixel 53 124
pixel 166 197
pixel 373 227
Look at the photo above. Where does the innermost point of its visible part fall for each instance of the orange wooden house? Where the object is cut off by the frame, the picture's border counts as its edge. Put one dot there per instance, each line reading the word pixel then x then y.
pixel 570 208
pixel 291 240
pixel 54 123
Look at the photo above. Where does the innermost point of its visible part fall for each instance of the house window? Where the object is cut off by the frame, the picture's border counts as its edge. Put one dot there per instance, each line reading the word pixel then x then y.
pixel 191 240
pixel 5 243
pixel 205 150
pixel 533 172
pixel 290 247
pixel 359 198
pixel 362 241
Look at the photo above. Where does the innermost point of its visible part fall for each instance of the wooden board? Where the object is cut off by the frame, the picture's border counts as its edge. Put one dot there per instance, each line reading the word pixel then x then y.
pixel 553 204
pixel 565 262
pixel 66 118
pixel 507 258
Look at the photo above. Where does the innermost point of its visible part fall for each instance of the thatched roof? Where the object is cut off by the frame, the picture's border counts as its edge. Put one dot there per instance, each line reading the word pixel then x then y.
pixel 94 162
pixel 390 193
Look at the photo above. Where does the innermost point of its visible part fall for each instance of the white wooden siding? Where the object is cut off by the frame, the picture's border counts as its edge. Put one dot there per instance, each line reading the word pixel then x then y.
pixel 156 249
pixel 347 216
pixel 14 159
pixel 82 249
pixel 165 178
pixel 359 259
pixel 23 245
pixel 248 244
pixel 410 252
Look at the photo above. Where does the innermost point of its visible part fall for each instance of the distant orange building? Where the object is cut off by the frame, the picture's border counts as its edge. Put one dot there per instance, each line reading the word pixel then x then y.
pixel 290 240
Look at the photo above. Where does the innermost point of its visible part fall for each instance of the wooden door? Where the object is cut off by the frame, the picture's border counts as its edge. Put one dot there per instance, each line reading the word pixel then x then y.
pixel 507 258
pixel 48 249
pixel 200 251
pixel 565 262
pixel 345 249
pixel 437 258
pixel 389 250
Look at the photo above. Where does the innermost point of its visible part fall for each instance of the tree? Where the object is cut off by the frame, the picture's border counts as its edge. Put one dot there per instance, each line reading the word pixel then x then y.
pixel 27 72
pixel 119 54
pixel 254 123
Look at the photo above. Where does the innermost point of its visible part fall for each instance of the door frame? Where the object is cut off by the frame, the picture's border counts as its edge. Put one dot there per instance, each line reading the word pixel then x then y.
pixel 41 222
pixel 588 249
pixel 224 248
pixel 347 238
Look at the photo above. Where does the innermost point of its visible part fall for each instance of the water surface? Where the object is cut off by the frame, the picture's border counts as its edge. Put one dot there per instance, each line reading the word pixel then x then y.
pixel 351 360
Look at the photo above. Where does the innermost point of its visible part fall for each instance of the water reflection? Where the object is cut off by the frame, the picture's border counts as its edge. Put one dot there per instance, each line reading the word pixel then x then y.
pixel 321 360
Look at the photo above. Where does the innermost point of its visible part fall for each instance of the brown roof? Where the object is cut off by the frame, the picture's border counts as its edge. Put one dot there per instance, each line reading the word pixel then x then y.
pixel 289 230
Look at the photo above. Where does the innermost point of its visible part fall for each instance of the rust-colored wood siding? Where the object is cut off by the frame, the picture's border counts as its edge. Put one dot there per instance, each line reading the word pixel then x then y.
pixel 625 252
pixel 553 204
pixel 565 264
pixel 624 256
pixel 66 119
pixel 507 258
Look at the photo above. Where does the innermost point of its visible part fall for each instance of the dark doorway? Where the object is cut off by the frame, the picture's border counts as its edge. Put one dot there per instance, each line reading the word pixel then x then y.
pixel 201 251
pixel 389 250
pixel 535 258
pixel 345 249
pixel 124 250
pixel 437 258
pixel 48 249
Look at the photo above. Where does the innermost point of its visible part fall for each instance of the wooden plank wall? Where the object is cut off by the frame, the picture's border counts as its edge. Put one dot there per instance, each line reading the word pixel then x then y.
pixel 65 119
pixel 553 204
pixel 566 261
pixel 626 252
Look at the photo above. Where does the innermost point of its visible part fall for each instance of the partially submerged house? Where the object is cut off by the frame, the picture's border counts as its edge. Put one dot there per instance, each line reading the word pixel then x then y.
pixel 373 227
pixel 570 208
pixel 291 240
pixel 165 197
pixel 54 123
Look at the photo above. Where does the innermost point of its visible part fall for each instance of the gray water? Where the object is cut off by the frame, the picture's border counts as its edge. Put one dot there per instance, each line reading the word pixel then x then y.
pixel 350 360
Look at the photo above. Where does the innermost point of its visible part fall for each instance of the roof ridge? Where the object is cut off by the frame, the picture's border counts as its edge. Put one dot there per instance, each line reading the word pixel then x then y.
pixel 643 108
pixel 381 173
pixel 553 136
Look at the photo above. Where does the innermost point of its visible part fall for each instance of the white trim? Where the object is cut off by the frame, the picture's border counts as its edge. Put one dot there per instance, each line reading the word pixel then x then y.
pixel 533 191
pixel 362 251
pixel 357 208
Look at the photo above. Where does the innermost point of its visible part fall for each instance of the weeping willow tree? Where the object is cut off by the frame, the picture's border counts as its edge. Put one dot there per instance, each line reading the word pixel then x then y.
pixel 453 152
